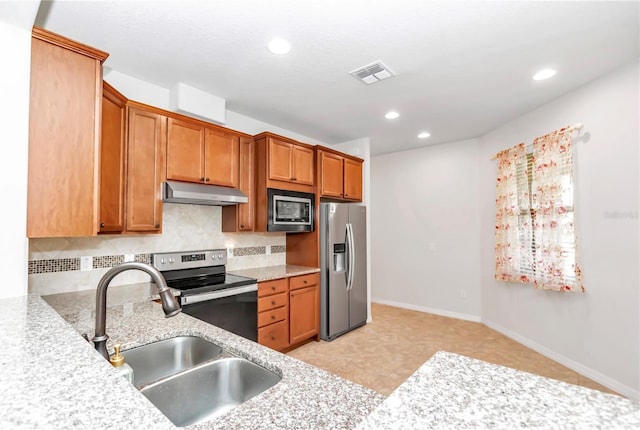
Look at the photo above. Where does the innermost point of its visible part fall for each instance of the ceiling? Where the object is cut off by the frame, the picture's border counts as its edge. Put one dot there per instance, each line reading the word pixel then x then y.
pixel 463 67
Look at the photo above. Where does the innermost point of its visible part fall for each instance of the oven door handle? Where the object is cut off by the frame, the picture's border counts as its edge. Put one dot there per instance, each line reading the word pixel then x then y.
pixel 196 298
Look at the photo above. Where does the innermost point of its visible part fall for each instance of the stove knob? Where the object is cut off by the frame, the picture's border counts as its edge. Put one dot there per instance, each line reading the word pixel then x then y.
pixel 171 260
pixel 213 256
pixel 220 256
pixel 163 261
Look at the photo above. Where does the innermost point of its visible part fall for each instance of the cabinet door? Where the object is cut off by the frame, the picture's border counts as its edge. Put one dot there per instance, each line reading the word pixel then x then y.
pixel 145 161
pixel 280 160
pixel 185 151
pixel 247 184
pixel 303 314
pixel 352 179
pixel 64 141
pixel 112 158
pixel 303 171
pixel 221 158
pixel 331 177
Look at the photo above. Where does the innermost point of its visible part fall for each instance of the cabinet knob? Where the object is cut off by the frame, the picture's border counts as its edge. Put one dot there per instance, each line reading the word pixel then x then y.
pixel 101 225
pixel 202 179
pixel 273 338
pixel 241 225
pixel 294 179
pixel 273 317
pixel 305 281
pixel 206 179
pixel 273 287
pixel 157 226
pixel 273 302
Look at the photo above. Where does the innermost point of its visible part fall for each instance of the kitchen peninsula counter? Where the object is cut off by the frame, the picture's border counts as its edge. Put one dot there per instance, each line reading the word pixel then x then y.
pixel 451 391
pixel 53 378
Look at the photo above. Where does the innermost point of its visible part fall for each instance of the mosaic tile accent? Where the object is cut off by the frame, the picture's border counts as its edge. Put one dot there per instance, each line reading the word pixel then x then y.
pixel 106 261
pixel 250 250
pixel 51 266
pixel 73 264
pixel 277 249
pixel 143 258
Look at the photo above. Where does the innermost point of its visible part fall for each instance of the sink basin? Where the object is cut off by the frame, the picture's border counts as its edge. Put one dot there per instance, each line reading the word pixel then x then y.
pixel 167 357
pixel 206 391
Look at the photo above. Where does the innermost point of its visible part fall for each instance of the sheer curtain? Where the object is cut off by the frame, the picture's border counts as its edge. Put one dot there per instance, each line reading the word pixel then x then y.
pixel 513 257
pixel 555 250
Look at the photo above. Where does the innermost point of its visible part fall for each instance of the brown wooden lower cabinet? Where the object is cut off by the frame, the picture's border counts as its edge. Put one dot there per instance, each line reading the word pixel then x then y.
pixel 303 306
pixel 288 311
pixel 275 336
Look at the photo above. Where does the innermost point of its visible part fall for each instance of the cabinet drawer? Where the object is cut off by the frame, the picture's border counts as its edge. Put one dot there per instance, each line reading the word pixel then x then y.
pixel 303 281
pixel 272 287
pixel 272 302
pixel 273 316
pixel 275 336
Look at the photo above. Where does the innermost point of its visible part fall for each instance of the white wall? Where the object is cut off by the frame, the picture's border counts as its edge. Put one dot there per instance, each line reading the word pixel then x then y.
pixel 154 95
pixel 16 21
pixel 425 229
pixel 596 333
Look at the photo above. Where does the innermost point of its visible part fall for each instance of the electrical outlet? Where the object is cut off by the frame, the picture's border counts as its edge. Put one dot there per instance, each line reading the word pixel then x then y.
pixel 129 257
pixel 267 250
pixel 463 294
pixel 86 263
pixel 229 252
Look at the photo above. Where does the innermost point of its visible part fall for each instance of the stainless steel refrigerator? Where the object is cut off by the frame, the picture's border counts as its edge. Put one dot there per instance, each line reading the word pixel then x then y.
pixel 343 268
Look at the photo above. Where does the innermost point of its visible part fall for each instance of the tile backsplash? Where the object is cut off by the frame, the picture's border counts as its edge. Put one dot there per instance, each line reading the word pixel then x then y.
pixel 55 263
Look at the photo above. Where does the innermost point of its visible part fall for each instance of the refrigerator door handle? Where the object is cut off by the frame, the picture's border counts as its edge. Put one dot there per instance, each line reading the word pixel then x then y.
pixel 352 258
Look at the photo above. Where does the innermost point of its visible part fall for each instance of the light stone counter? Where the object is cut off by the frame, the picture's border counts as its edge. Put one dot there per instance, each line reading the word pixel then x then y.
pixel 52 378
pixel 275 272
pixel 451 391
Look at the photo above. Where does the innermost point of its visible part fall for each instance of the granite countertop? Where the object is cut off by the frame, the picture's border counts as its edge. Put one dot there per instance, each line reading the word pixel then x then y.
pixel 275 272
pixel 53 378
pixel 451 391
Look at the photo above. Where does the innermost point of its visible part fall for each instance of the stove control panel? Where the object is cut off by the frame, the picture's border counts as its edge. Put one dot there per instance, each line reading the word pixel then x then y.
pixel 189 259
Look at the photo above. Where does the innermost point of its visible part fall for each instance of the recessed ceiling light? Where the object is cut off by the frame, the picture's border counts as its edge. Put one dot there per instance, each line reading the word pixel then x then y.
pixel 279 46
pixel 392 115
pixel 423 135
pixel 544 74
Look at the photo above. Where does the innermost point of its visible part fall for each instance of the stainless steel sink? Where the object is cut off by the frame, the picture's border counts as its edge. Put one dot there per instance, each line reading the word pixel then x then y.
pixel 164 358
pixel 191 380
pixel 209 390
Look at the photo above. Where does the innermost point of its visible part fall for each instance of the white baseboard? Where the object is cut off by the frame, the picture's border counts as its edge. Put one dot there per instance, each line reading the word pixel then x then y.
pixel 444 313
pixel 600 378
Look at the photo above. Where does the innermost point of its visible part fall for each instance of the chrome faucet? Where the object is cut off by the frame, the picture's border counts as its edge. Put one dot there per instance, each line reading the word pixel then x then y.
pixel 169 303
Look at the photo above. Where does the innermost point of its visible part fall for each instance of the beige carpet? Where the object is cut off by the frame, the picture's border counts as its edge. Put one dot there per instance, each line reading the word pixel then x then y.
pixel 383 354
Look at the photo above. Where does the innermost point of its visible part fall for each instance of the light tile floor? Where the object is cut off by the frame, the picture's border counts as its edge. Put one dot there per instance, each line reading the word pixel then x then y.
pixel 383 354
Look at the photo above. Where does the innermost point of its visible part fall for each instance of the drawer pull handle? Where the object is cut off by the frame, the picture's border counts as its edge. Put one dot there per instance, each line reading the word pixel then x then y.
pixel 273 288
pixel 305 281
pixel 273 302
pixel 273 317
pixel 273 338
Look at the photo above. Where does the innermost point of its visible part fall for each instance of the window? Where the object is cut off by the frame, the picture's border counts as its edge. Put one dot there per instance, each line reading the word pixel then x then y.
pixel 535 231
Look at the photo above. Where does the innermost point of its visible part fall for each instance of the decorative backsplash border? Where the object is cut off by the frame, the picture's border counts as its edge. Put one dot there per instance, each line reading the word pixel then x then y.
pixel 106 261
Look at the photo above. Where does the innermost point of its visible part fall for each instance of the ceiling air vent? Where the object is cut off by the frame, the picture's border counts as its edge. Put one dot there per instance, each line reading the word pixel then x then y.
pixel 373 72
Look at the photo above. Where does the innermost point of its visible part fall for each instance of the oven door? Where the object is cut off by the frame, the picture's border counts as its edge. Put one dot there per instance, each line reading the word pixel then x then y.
pixel 233 309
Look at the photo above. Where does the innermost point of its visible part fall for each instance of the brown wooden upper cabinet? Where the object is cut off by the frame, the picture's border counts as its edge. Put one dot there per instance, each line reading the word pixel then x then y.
pixel 112 160
pixel 64 137
pixel 241 217
pixel 290 162
pixel 146 141
pixel 340 176
pixel 199 154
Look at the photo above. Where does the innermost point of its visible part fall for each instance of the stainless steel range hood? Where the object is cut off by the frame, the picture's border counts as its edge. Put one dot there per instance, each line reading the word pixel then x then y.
pixel 201 194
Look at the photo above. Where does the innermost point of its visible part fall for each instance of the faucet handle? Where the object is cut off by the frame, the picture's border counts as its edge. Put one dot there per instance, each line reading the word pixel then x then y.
pixel 116 360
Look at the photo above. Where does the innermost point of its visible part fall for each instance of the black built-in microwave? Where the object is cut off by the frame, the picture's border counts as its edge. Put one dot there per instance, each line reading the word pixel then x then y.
pixel 289 211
